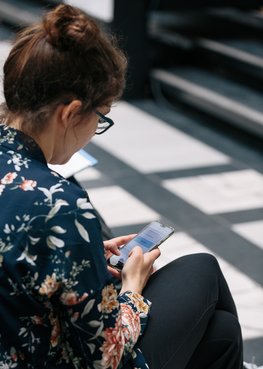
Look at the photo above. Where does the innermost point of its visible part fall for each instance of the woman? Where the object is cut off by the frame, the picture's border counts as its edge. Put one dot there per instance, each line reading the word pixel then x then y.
pixel 60 307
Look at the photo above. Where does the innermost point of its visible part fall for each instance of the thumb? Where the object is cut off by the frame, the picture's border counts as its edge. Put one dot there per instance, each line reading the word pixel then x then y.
pixel 136 251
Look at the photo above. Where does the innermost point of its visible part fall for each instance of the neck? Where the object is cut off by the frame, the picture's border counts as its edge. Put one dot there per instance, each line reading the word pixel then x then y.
pixel 46 139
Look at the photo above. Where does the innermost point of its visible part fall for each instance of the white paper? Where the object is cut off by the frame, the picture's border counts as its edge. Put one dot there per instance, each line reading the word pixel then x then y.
pixel 79 161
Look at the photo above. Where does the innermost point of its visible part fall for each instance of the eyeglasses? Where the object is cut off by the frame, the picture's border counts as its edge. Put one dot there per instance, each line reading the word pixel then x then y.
pixel 104 123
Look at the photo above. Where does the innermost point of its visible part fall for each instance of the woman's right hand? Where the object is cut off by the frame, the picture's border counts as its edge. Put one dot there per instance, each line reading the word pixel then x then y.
pixel 138 269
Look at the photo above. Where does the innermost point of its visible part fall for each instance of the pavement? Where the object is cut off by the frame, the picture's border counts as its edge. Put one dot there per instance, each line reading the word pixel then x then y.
pixel 158 163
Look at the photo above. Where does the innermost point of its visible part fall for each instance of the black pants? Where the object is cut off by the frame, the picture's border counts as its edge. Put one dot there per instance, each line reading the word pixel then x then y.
pixel 193 322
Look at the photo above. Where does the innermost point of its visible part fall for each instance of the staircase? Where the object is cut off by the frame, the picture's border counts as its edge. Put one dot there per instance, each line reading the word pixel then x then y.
pixel 207 60
pixel 211 61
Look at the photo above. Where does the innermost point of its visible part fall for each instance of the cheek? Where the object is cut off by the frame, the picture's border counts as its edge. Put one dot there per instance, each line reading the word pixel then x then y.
pixel 85 128
pixel 88 132
pixel 91 125
pixel 93 128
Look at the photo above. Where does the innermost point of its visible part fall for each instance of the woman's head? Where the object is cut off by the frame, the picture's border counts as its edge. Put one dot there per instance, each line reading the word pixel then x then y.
pixel 65 57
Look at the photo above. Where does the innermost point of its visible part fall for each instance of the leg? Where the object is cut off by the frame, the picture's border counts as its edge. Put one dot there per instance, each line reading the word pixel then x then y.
pixel 221 346
pixel 185 295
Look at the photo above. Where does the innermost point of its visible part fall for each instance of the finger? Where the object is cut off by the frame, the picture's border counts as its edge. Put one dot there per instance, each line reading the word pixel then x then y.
pixel 114 272
pixel 114 249
pixel 123 239
pixel 108 244
pixel 111 246
pixel 155 253
pixel 152 255
pixel 136 252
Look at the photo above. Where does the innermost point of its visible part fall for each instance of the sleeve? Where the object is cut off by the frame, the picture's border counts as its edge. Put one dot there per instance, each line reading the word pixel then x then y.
pixel 108 326
pixel 99 326
pixel 130 324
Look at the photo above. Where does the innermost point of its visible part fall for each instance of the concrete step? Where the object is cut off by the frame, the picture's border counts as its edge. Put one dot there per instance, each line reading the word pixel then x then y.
pixel 22 13
pixel 6 33
pixel 230 101
pixel 214 38
pixel 244 55
pixel 252 19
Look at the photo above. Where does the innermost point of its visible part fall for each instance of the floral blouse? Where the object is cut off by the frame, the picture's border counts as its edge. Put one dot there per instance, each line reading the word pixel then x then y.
pixel 59 307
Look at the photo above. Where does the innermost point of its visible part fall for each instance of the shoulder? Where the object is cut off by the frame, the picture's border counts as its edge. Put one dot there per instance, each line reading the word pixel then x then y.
pixel 58 196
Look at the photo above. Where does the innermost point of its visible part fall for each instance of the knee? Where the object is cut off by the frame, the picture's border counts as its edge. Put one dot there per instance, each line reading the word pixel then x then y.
pixel 204 271
pixel 221 345
pixel 206 259
pixel 202 261
pixel 225 326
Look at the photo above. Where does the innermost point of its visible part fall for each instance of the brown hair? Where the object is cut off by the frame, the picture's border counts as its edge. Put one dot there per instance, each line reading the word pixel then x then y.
pixel 65 56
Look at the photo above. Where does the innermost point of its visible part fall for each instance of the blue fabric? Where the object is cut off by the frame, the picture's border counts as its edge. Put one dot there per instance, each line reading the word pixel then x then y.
pixel 59 306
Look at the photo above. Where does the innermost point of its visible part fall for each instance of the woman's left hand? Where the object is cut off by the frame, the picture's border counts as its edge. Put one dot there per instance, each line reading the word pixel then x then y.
pixel 112 248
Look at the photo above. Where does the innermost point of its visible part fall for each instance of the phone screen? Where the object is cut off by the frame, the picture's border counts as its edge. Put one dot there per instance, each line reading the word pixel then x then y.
pixel 150 237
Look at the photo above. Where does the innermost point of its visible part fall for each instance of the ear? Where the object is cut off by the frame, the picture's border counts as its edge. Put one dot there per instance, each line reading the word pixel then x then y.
pixel 68 112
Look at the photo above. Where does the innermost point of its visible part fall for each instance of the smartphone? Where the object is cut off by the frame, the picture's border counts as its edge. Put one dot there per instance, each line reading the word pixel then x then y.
pixel 148 239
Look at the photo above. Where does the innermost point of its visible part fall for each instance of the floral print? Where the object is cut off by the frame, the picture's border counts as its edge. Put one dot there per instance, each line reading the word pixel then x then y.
pixel 8 178
pixel 27 184
pixel 109 299
pixel 113 345
pixel 49 286
pixel 59 305
pixel 24 184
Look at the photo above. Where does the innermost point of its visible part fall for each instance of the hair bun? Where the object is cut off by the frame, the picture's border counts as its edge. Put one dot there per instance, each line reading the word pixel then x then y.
pixel 66 27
